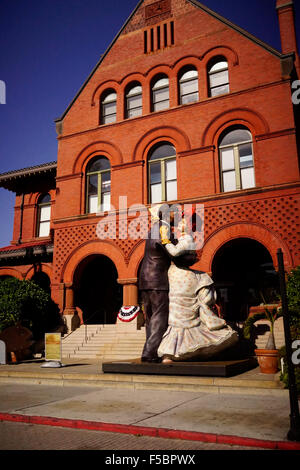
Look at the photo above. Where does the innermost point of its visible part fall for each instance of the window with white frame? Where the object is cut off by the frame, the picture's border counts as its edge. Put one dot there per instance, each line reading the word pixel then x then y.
pixel 236 159
pixel 108 107
pixel 134 101
pixel 44 216
pixel 188 86
pixel 160 94
pixel 162 173
pixel 218 77
pixel 98 184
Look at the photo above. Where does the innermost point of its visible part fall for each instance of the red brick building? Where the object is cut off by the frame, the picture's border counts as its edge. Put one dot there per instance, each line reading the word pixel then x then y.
pixel 184 106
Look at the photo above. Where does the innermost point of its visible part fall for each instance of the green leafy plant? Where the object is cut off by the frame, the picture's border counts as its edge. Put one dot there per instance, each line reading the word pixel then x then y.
pixel 27 304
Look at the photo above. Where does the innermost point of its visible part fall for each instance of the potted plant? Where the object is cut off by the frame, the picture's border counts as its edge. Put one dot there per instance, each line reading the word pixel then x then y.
pixel 268 357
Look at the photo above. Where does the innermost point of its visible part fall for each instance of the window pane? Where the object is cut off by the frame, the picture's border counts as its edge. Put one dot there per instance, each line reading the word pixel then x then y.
pixel 227 159
pixel 155 173
pixel 171 187
pixel 106 202
pixel 229 181
pixel 171 173
pixel 247 177
pixel 44 229
pixel 109 119
pixel 219 78
pixel 189 98
pixel 219 66
pixel 236 136
pixel 100 163
pixel 93 204
pixel 93 184
pixel 189 74
pixel 246 158
pixel 163 82
pixel 131 113
pixel 45 213
pixel 189 87
pixel 164 150
pixel 155 193
pixel 221 90
pixel 161 95
pixel 45 199
pixel 134 102
pixel 110 97
pixel 110 108
pixel 160 106
pixel 135 90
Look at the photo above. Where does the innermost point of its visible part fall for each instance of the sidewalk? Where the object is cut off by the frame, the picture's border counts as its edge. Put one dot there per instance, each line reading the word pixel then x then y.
pixel 250 409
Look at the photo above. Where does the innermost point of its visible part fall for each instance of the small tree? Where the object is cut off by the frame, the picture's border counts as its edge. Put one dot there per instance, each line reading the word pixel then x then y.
pixel 25 303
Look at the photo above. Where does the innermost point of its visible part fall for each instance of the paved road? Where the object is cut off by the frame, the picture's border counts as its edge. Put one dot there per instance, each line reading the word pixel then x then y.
pixel 19 436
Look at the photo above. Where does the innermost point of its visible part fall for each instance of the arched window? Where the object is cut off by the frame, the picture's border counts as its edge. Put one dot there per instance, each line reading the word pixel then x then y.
pixel 236 159
pixel 108 107
pixel 44 215
pixel 98 185
pixel 188 86
pixel 134 101
pixel 162 173
pixel 160 94
pixel 218 77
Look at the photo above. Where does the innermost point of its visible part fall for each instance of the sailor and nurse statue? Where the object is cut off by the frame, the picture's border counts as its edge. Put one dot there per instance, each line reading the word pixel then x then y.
pixel 179 302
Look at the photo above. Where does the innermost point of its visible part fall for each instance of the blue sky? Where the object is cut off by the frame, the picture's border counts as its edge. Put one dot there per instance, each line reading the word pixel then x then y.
pixel 49 47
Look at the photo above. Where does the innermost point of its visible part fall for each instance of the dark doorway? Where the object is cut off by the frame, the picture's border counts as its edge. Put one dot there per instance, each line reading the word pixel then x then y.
pixel 244 275
pixel 97 292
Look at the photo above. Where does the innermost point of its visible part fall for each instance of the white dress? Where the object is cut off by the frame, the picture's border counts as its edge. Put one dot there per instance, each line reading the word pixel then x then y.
pixel 194 329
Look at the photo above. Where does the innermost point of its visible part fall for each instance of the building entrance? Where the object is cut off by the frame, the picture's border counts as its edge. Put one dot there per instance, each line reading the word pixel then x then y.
pixel 244 276
pixel 97 292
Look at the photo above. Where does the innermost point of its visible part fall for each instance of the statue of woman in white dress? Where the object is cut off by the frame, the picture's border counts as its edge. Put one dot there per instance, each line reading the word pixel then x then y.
pixel 194 330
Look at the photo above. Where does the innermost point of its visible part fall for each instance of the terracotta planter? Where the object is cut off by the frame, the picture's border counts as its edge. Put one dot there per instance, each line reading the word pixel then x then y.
pixel 267 360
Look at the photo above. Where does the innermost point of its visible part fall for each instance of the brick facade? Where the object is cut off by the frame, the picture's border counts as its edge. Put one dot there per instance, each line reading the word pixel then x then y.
pixel 259 99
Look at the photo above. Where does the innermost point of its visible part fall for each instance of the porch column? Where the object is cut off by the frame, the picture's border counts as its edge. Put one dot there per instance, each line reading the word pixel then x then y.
pixel 69 305
pixel 130 299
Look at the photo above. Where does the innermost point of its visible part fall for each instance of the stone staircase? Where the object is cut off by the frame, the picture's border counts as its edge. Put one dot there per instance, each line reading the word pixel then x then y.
pixel 104 342
pixel 261 339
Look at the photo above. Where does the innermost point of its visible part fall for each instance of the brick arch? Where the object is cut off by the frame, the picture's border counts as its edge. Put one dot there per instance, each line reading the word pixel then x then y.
pixel 108 85
pixel 132 77
pixel 247 117
pixel 11 272
pixel 184 62
pixel 165 133
pixel 101 247
pixel 269 239
pixel 136 257
pixel 44 269
pixel 157 70
pixel 109 150
pixel 225 51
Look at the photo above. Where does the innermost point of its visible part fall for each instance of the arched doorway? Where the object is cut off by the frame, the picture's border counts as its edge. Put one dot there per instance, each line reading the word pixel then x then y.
pixel 244 276
pixel 97 292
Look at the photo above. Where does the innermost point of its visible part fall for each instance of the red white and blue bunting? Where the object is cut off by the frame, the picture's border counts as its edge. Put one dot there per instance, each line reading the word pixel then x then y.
pixel 127 314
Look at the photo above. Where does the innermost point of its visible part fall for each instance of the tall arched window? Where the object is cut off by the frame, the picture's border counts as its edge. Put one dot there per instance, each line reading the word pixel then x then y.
pixel 44 215
pixel 236 159
pixel 134 101
pixel 160 93
pixel 188 86
pixel 218 77
pixel 162 173
pixel 108 107
pixel 98 185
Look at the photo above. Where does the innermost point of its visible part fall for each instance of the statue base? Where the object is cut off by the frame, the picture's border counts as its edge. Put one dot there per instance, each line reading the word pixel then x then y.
pixel 227 368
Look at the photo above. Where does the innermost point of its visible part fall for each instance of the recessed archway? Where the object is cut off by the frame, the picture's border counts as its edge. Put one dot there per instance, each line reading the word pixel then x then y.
pixel 96 290
pixel 244 276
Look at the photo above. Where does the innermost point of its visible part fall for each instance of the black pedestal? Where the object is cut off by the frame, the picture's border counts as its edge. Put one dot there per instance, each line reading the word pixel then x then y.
pixel 199 369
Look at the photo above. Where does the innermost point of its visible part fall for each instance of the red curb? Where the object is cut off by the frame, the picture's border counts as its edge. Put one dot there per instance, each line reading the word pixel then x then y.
pixel 151 432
